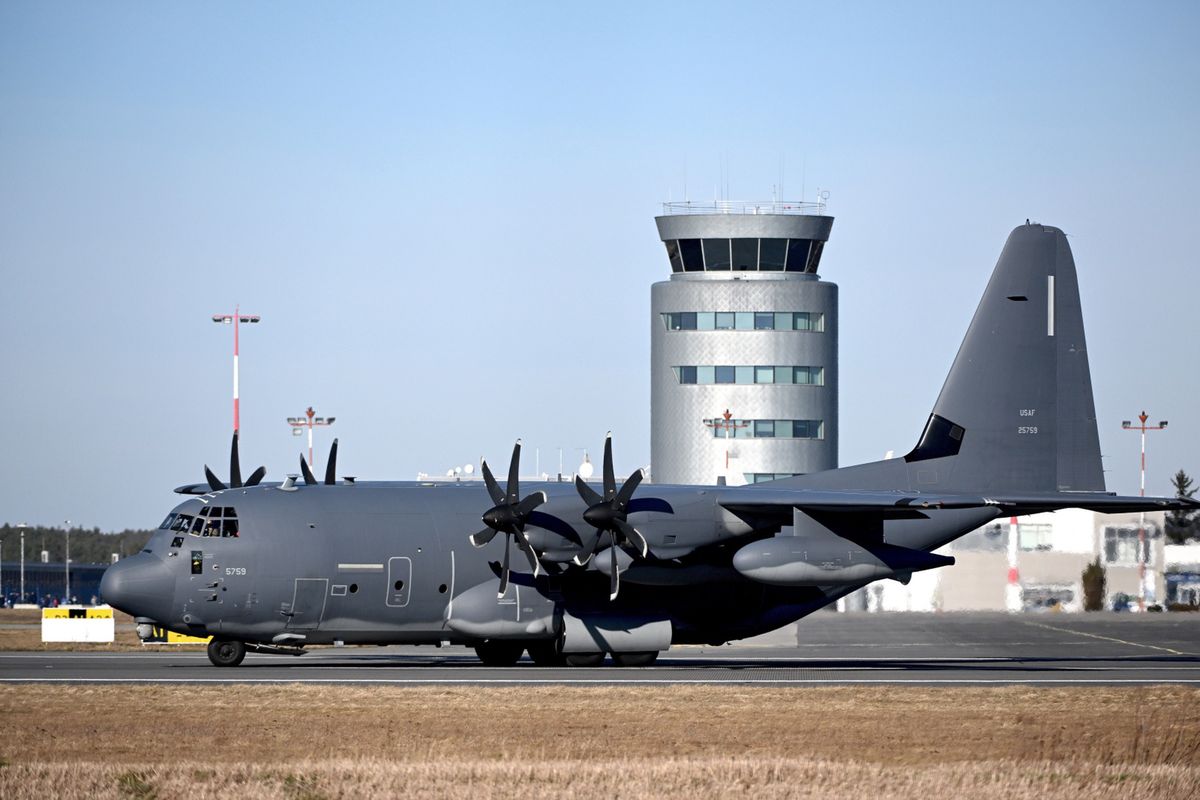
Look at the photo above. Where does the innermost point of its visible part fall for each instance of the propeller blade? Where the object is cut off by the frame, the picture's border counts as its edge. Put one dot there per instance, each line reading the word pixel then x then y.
pixel 213 482
pixel 493 488
pixel 549 522
pixel 629 487
pixel 309 478
pixel 235 466
pixel 331 467
pixel 610 480
pixel 632 536
pixel 527 548
pixel 514 480
pixel 504 570
pixel 614 580
pixel 480 538
pixel 588 494
pixel 530 503
pixel 256 476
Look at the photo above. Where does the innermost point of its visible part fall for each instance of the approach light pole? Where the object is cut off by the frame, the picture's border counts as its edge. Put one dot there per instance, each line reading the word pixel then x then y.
pixel 67 562
pixel 234 319
pixel 1141 547
pixel 310 421
pixel 22 527
pixel 728 424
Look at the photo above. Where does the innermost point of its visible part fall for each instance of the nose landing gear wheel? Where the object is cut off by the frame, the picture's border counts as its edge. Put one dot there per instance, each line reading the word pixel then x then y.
pixel 226 652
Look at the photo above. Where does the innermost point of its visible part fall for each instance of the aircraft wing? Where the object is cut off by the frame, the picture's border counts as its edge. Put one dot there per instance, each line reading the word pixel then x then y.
pixel 776 505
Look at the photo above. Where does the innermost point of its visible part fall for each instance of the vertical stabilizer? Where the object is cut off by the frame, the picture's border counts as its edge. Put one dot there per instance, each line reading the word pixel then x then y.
pixel 1016 412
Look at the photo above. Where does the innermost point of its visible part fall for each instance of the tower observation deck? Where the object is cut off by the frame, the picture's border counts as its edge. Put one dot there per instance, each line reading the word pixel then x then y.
pixel 744 323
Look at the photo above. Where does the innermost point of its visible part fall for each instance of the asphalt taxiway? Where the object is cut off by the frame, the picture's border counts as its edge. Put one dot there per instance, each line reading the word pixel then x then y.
pixel 826 648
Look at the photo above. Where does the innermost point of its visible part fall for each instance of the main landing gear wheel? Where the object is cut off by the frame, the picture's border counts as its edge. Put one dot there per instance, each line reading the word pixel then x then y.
pixel 635 659
pixel 546 654
pixel 226 652
pixel 584 659
pixel 499 653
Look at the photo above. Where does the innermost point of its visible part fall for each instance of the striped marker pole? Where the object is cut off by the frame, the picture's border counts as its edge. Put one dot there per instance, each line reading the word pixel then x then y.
pixel 1012 594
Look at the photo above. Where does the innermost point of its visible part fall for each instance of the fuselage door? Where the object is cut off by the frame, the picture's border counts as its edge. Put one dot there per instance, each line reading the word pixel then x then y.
pixel 399 579
pixel 308 603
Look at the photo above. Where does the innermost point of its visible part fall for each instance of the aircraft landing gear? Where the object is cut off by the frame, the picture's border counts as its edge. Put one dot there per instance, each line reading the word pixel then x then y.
pixel 226 652
pixel 635 659
pixel 584 659
pixel 499 653
pixel 546 654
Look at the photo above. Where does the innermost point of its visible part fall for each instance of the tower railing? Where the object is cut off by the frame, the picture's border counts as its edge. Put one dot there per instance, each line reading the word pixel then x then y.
pixel 743 207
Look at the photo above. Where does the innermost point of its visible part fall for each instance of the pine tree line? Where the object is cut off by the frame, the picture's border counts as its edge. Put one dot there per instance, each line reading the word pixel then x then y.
pixel 87 546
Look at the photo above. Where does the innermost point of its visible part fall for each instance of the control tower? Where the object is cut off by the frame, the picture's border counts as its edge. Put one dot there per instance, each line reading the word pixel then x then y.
pixel 744 324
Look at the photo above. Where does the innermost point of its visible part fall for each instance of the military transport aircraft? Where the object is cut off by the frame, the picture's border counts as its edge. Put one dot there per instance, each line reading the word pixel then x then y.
pixel 632 569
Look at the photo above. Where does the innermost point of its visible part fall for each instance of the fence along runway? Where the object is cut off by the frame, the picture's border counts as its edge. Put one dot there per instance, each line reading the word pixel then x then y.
pixel 826 649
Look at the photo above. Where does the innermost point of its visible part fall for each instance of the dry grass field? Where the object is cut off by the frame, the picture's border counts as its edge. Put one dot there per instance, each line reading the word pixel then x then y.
pixel 304 741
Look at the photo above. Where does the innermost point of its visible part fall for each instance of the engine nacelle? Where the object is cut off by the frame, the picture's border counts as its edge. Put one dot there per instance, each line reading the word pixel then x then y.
pixel 803 561
pixel 522 613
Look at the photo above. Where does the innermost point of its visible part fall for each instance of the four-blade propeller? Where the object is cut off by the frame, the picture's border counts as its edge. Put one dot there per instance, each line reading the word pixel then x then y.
pixel 509 516
pixel 235 472
pixel 608 513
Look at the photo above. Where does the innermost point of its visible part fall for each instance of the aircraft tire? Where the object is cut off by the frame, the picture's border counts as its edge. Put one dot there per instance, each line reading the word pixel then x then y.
pixel 584 659
pixel 635 659
pixel 226 652
pixel 499 653
pixel 546 654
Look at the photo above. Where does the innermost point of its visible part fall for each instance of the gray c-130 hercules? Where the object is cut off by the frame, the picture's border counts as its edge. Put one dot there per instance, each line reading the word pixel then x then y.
pixel 633 569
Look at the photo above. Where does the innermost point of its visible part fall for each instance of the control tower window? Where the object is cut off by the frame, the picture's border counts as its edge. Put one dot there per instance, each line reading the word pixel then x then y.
pixel 772 254
pixel 814 256
pixel 797 255
pixel 750 375
pixel 716 254
pixel 745 255
pixel 673 255
pixel 690 252
pixel 726 321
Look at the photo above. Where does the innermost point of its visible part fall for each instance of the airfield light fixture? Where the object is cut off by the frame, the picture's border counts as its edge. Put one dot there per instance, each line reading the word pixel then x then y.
pixel 1141 546
pixel 310 420
pixel 235 319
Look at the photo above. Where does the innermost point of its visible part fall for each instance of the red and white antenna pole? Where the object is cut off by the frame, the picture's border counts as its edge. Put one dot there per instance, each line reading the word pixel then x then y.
pixel 1141 546
pixel 1012 596
pixel 235 319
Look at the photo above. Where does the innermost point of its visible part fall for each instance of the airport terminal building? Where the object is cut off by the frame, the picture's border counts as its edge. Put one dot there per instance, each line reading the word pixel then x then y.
pixel 744 325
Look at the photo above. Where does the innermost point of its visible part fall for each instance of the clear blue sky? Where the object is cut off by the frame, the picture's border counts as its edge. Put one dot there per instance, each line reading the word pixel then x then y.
pixel 444 214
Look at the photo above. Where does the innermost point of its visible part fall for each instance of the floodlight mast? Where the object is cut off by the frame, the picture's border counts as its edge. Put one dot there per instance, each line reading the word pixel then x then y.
pixel 728 424
pixel 1141 546
pixel 235 319
pixel 310 421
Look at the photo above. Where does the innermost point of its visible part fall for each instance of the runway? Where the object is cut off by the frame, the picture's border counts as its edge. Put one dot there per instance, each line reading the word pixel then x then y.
pixel 825 649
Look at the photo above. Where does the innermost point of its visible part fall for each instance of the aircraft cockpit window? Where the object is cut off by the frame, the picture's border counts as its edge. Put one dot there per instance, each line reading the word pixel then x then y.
pixel 166 523
pixel 216 521
pixel 182 523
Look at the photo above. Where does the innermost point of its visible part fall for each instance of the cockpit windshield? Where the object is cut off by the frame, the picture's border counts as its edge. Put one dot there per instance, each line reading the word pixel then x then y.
pixel 219 521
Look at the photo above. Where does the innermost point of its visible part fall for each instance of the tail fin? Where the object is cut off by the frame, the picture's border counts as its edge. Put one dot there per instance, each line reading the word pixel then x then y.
pixel 1016 410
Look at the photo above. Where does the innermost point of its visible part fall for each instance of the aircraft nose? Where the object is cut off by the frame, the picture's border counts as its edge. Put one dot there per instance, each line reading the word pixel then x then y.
pixel 140 586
